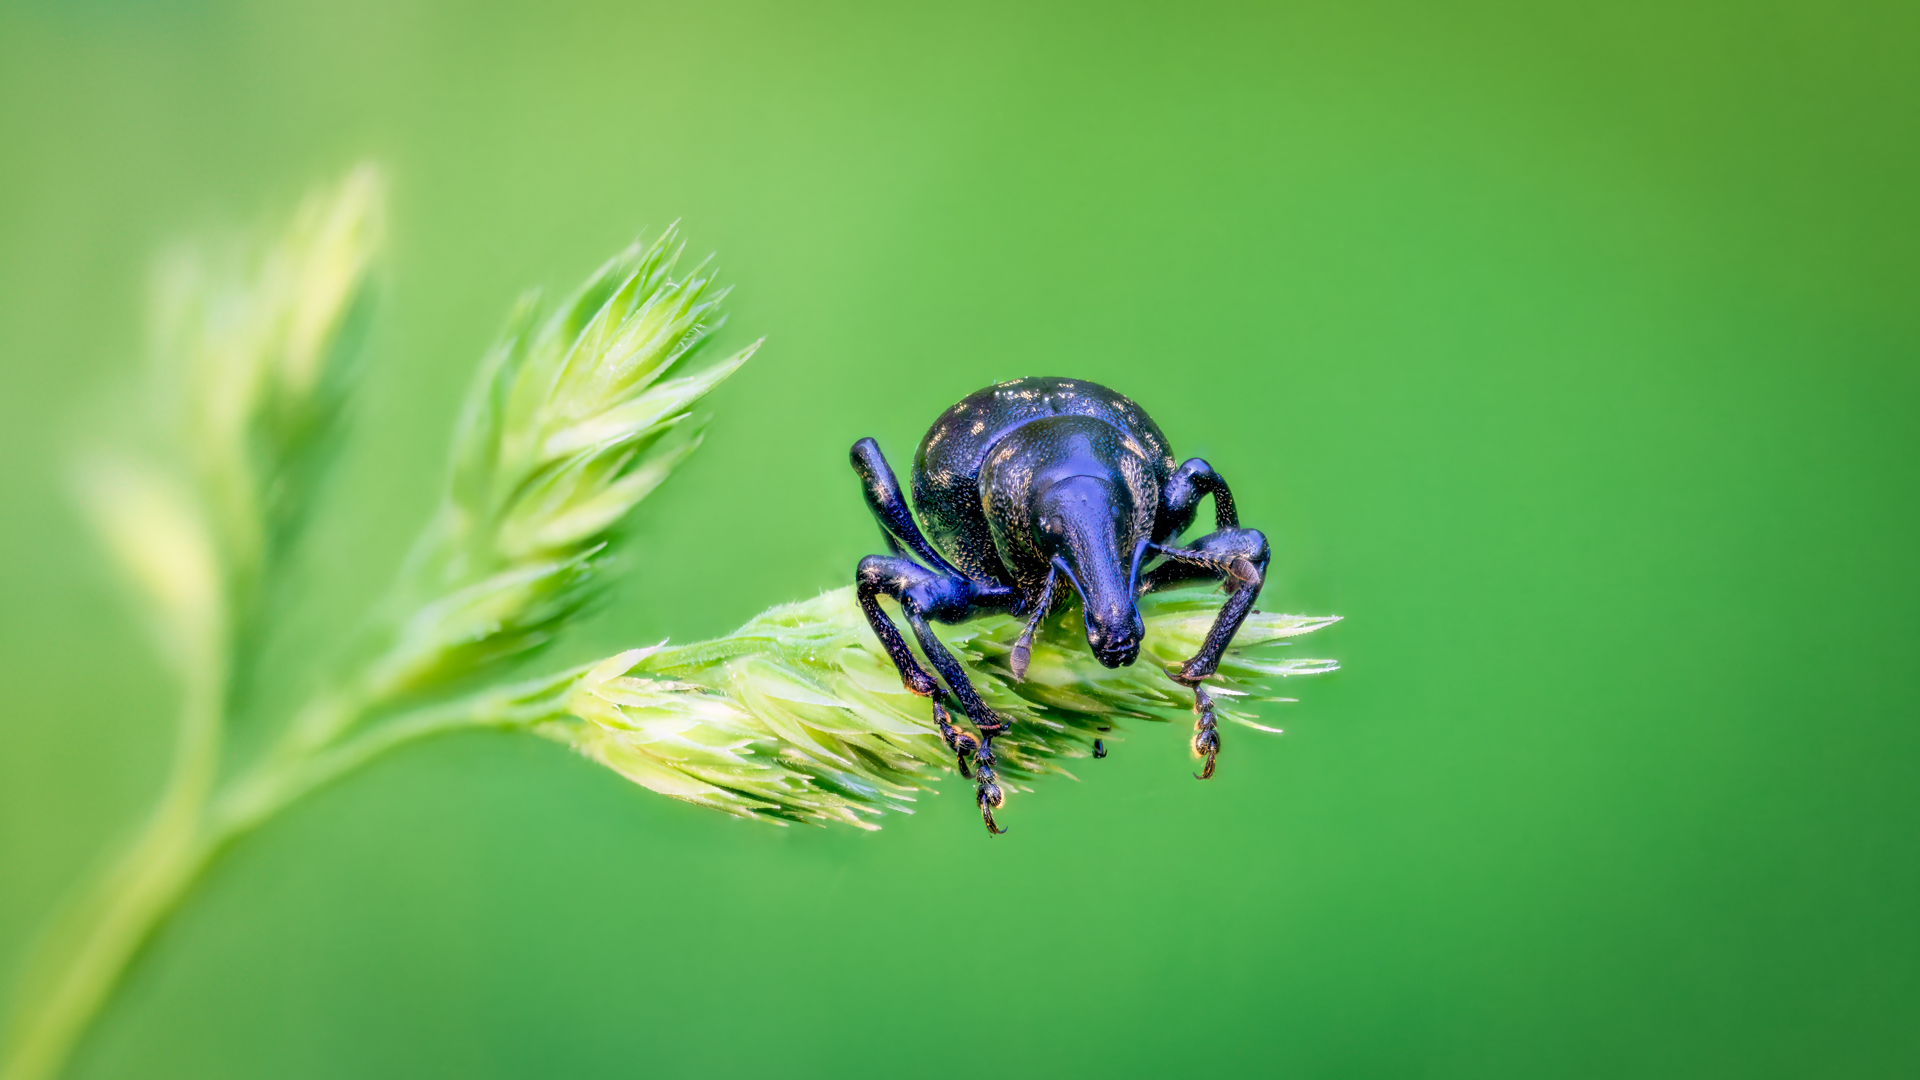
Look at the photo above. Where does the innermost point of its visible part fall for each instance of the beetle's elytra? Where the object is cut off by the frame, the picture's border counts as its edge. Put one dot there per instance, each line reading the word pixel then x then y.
pixel 1028 489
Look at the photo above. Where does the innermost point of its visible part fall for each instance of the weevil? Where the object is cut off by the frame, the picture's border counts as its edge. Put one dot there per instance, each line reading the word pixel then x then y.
pixel 1028 490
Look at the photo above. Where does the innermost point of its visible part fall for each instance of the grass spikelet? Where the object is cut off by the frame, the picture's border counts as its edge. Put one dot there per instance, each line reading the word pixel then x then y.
pixel 571 422
pixel 256 360
pixel 799 715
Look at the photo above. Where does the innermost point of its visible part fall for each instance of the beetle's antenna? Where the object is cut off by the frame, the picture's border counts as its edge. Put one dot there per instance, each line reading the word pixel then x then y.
pixel 1133 573
pixel 1023 647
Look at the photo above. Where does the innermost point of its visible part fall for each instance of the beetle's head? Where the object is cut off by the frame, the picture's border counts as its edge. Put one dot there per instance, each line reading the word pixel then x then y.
pixel 1080 524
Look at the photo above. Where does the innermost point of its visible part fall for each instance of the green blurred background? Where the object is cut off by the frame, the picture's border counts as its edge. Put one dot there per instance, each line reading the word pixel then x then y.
pixel 1568 351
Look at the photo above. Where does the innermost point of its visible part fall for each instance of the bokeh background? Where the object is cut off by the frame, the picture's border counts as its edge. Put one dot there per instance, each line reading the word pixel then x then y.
pixel 1569 350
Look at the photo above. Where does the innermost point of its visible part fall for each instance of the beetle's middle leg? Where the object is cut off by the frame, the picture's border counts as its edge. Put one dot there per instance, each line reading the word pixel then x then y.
pixel 924 594
pixel 1238 558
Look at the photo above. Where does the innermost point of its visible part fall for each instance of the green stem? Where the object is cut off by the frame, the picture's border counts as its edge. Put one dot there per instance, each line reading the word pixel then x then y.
pixel 88 954
pixel 117 919
pixel 83 959
pixel 270 788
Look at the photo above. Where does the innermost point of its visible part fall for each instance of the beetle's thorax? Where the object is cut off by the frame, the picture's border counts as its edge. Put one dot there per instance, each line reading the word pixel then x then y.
pixel 950 491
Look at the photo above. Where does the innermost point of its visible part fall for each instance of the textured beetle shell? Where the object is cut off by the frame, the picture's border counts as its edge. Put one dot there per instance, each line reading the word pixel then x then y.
pixel 946 467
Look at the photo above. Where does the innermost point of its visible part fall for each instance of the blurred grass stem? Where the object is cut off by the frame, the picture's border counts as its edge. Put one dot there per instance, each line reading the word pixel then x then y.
pixel 84 956
pixel 193 822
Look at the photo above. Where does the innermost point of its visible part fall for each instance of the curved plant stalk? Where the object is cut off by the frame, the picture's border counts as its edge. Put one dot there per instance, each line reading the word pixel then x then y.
pixel 253 366
pixel 797 716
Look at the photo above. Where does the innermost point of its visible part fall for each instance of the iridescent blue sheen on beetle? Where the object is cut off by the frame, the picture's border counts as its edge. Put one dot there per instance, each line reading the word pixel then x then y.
pixel 1027 490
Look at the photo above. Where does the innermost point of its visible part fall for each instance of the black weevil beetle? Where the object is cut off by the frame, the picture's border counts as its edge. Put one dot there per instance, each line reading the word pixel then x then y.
pixel 1028 488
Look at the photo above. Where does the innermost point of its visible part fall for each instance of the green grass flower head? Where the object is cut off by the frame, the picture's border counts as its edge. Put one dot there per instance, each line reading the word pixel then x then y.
pixel 800 716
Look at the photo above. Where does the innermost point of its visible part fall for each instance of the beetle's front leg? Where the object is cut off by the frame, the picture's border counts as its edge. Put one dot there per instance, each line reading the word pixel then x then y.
pixel 990 724
pixel 901 578
pixel 1238 558
pixel 924 594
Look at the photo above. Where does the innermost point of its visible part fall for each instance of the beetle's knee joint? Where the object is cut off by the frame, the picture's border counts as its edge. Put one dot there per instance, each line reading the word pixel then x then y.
pixel 879 574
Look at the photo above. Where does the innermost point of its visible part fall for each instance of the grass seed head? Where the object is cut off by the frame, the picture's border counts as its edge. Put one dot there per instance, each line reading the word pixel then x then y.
pixel 572 421
pixel 799 715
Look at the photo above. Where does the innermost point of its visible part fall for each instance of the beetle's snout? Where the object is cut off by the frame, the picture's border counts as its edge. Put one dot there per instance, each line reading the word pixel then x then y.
pixel 1115 640
pixel 1118 656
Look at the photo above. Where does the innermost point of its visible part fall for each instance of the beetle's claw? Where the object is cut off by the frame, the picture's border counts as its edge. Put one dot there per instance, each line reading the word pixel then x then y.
pixel 1207 773
pixel 990 798
pixel 986 813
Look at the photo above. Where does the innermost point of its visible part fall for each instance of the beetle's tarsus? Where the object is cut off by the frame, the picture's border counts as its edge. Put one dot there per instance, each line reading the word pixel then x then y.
pixel 988 795
pixel 1099 748
pixel 1206 737
pixel 959 741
